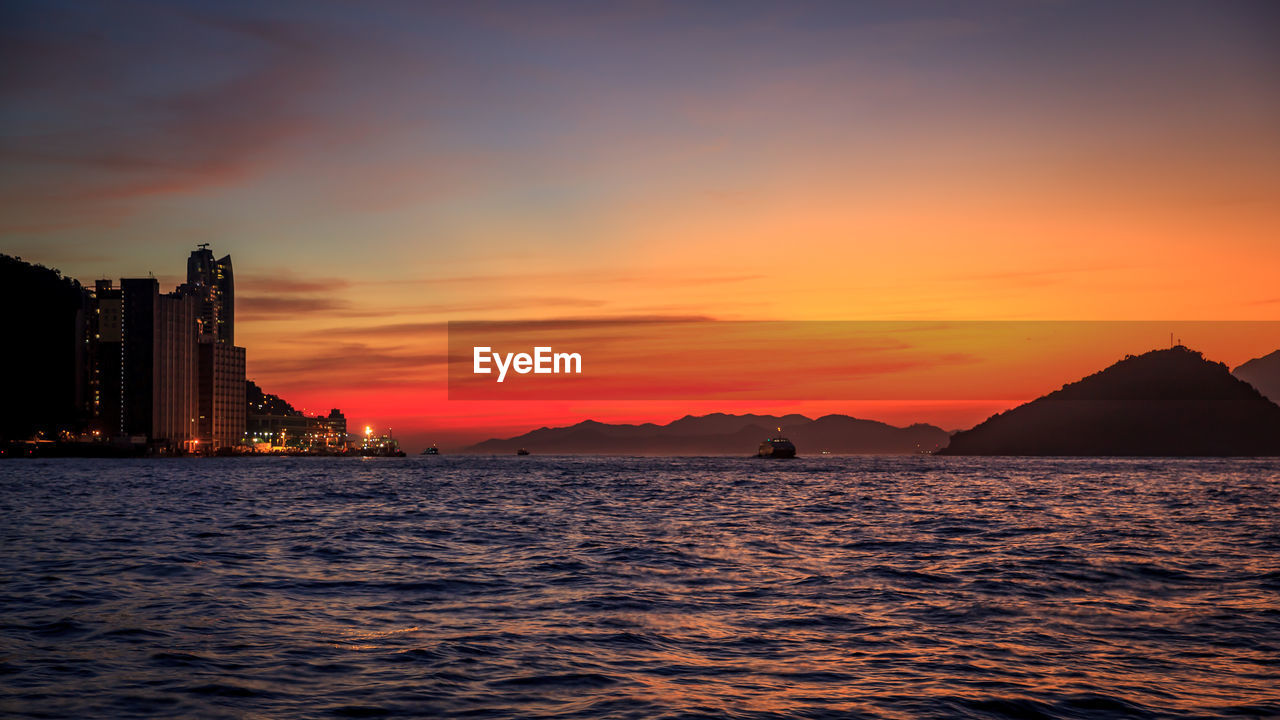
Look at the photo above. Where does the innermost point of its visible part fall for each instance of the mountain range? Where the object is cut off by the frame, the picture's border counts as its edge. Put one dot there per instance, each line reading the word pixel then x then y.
pixel 721 434
pixel 1170 402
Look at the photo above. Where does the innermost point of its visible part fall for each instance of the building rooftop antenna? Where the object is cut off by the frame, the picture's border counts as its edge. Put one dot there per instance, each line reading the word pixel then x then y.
pixel 203 246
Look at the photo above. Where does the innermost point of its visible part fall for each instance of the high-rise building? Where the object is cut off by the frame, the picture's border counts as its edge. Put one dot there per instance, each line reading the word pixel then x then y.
pixel 213 283
pixel 108 361
pixel 175 400
pixel 222 394
pixel 146 368
pixel 221 384
pixel 166 370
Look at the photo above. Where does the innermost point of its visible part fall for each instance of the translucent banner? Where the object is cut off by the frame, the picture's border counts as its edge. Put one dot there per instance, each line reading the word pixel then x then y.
pixel 644 358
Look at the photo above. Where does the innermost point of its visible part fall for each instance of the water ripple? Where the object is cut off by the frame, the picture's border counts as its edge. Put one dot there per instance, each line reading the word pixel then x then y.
pixel 545 587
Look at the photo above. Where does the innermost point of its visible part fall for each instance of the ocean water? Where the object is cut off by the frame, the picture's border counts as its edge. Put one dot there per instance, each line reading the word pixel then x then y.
pixel 558 587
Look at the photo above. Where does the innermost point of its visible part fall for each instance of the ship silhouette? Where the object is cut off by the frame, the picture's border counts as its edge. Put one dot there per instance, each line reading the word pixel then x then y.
pixel 776 447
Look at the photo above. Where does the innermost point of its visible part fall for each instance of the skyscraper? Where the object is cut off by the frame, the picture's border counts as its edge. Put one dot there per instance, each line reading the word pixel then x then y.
pixel 147 363
pixel 213 283
pixel 221 364
pixel 166 369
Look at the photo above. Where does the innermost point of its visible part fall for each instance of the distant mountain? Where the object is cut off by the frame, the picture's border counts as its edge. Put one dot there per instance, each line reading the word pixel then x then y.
pixel 1162 403
pixel 1264 374
pixel 721 434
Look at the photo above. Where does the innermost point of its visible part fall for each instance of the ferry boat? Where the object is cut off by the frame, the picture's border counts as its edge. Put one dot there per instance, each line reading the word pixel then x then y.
pixel 522 451
pixel 776 447
pixel 378 446
pixel 433 450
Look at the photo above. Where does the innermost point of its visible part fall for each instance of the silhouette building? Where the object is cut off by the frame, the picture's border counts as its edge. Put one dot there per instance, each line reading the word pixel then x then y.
pixel 146 366
pixel 167 371
pixel 213 283
pixel 222 365
pixel 275 425
pixel 222 403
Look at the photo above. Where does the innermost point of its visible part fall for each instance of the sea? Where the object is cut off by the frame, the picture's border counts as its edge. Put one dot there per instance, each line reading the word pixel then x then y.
pixel 604 587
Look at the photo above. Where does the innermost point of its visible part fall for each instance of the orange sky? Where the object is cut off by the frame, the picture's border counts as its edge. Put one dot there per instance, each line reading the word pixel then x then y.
pixel 376 174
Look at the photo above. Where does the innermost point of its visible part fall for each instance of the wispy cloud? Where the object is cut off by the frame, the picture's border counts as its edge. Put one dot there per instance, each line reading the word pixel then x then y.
pixel 585 323
pixel 287 282
pixel 265 307
pixel 579 278
pixel 123 136
pixel 350 359
pixel 390 330
pixel 349 365
pixel 417 329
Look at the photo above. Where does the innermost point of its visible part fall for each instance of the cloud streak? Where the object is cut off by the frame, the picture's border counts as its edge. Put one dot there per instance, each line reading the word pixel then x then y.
pixel 261 307
pixel 289 283
pixel 126 137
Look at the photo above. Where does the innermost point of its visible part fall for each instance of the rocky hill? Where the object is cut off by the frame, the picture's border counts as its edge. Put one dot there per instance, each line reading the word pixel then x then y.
pixel 1163 403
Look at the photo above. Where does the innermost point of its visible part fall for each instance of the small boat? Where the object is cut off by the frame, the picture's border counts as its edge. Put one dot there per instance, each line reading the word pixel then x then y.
pixel 522 451
pixel 776 447
pixel 433 450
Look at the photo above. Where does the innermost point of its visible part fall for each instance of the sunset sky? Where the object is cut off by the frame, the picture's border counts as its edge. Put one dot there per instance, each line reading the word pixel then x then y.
pixel 379 169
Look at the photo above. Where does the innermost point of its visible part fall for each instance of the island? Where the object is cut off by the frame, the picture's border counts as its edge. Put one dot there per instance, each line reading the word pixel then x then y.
pixel 1165 403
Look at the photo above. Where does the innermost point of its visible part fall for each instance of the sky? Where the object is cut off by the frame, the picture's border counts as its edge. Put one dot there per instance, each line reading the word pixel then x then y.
pixel 377 170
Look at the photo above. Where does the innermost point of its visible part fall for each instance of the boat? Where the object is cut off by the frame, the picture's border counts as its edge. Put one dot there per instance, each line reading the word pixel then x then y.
pixel 776 447
pixel 433 450
pixel 522 451
pixel 378 446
